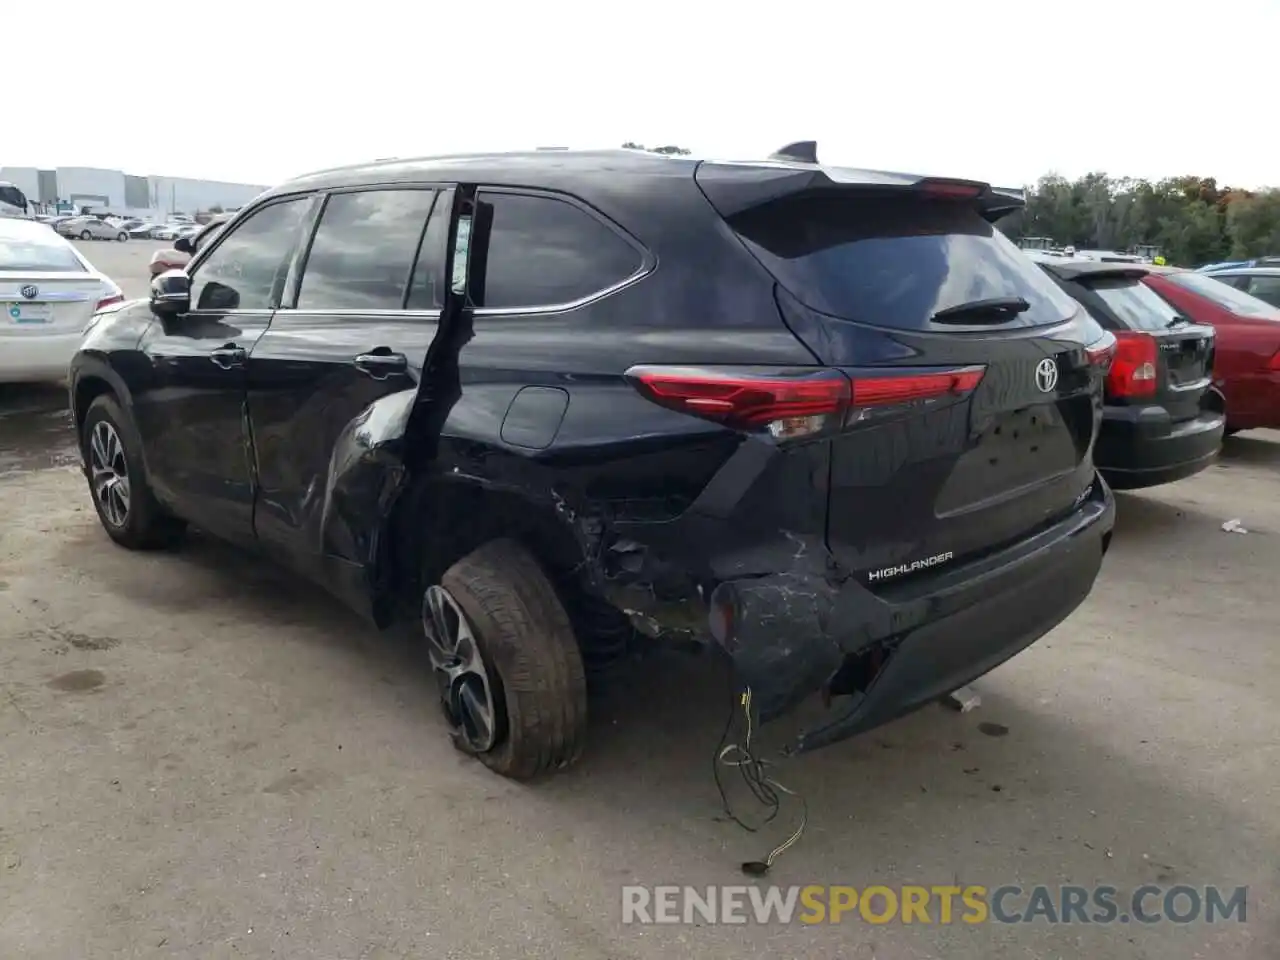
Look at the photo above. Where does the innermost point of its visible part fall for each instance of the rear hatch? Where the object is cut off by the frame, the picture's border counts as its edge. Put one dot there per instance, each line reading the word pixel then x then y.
pixel 1163 357
pixel 36 304
pixel 975 388
pixel 44 285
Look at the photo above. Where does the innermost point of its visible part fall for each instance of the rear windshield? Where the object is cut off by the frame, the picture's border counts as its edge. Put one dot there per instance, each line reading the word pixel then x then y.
pixel 37 256
pixel 1226 296
pixel 895 263
pixel 1137 305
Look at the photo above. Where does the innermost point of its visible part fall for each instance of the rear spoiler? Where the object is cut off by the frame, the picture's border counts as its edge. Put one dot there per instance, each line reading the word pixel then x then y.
pixel 733 187
pixel 1085 270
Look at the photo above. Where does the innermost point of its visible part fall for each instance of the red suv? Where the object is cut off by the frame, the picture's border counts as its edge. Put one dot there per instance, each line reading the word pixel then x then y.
pixel 1246 369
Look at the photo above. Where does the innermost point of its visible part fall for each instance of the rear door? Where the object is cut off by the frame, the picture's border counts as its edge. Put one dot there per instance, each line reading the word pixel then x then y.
pixel 905 291
pixel 348 345
pixel 1248 337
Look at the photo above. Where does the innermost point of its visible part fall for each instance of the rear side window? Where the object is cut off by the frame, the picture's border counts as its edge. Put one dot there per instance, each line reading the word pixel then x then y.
pixel 1227 297
pixel 1240 282
pixel 38 255
pixel 1265 288
pixel 543 252
pixel 364 250
pixel 1137 305
pixel 426 291
pixel 894 263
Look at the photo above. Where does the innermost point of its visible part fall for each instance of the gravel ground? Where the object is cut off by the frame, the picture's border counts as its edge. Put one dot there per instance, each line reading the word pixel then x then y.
pixel 204 757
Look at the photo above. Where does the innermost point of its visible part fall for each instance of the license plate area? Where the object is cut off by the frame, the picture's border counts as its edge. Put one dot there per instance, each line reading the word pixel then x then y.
pixel 1186 360
pixel 1016 449
pixel 28 313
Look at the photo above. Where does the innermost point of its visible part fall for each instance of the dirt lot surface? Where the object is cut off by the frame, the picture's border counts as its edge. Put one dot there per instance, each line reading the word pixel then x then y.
pixel 203 757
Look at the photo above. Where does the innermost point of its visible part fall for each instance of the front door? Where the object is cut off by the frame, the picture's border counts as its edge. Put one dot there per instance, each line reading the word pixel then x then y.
pixel 336 375
pixel 190 407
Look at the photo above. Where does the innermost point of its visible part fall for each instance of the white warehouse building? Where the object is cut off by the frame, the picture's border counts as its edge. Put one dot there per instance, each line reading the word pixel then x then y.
pixel 114 191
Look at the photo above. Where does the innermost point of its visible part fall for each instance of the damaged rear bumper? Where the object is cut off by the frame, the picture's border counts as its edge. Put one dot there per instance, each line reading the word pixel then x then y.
pixel 798 633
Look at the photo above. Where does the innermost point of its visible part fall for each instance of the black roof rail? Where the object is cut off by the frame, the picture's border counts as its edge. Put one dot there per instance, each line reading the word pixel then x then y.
pixel 802 151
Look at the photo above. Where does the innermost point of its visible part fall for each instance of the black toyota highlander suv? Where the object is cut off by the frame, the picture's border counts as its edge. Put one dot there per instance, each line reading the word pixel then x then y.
pixel 828 421
pixel 1161 422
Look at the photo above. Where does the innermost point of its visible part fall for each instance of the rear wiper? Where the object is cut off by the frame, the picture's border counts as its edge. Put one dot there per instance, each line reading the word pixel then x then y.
pixel 994 310
pixel 1177 322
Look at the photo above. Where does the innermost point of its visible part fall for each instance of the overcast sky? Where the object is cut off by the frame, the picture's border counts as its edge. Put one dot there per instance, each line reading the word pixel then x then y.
pixel 991 89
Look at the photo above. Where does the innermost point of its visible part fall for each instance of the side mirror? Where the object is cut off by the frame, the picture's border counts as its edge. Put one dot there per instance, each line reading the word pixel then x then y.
pixel 183 245
pixel 171 294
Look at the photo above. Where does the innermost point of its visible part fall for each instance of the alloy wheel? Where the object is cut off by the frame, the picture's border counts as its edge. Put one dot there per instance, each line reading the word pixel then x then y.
pixel 465 687
pixel 109 473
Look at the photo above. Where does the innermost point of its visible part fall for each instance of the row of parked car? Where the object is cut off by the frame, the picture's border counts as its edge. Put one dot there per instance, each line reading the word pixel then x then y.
pixel 90 227
pixel 830 422
pixel 1196 357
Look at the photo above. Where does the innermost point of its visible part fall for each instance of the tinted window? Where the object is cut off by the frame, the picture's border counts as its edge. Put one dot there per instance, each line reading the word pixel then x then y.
pixel 1137 305
pixel 895 263
pixel 245 269
pixel 1265 288
pixel 1229 298
pixel 1239 282
pixel 205 236
pixel 543 252
pixel 364 250
pixel 38 254
pixel 425 292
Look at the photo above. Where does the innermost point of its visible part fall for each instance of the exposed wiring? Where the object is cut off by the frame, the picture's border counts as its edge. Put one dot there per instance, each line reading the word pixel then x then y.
pixel 763 787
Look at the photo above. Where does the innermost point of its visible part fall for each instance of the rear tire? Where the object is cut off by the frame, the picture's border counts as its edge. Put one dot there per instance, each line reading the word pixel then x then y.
pixel 534 668
pixel 118 483
pixel 122 236
pixel 85 235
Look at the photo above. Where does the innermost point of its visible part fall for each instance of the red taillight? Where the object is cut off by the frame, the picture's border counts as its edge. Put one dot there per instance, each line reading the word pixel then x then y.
pixel 786 403
pixel 1275 361
pixel 951 189
pixel 108 301
pixel 878 391
pixel 795 402
pixel 1133 372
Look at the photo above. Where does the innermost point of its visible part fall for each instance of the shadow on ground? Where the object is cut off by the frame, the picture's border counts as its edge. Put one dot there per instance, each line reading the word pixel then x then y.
pixel 35 429
pixel 911 799
pixel 1250 448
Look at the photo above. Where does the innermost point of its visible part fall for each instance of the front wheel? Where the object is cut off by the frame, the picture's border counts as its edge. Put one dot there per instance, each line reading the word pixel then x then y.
pixel 509 668
pixel 85 235
pixel 117 479
pixel 122 237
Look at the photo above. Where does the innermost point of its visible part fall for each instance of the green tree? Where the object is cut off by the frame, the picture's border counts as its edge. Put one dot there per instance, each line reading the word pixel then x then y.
pixel 1193 219
pixel 1253 224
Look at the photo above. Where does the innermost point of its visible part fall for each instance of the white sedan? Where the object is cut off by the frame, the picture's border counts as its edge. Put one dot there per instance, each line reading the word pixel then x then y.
pixel 48 293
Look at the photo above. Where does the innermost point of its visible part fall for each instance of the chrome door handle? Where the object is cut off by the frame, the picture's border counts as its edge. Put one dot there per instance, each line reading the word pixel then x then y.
pixel 381 365
pixel 229 356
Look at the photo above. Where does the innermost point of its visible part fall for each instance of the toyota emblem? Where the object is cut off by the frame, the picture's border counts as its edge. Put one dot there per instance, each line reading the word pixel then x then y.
pixel 30 291
pixel 1046 375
